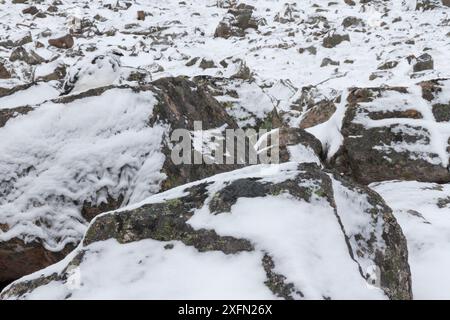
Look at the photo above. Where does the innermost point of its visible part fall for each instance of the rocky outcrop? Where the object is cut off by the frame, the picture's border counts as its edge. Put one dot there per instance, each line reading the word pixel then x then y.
pixel 237 20
pixel 298 145
pixel 183 102
pixel 210 219
pixel 289 13
pixel 178 103
pixel 424 5
pixel 9 90
pixel 28 56
pixel 55 72
pixel 16 41
pixel 396 133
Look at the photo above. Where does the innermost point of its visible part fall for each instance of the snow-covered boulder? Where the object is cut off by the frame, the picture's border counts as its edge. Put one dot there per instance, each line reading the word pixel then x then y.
pixel 285 231
pixel 236 21
pixel 66 160
pixel 397 133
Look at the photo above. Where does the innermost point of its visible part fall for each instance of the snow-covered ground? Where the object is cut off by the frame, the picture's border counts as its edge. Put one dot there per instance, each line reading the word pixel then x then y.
pixel 384 31
pixel 60 156
pixel 423 212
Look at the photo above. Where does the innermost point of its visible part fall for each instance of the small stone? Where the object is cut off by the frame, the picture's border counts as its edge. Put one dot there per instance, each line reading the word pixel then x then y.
pixel 40 15
pixel 207 64
pixel 328 61
pixel 374 76
pixel 57 74
pixel 424 5
pixel 141 15
pixel 64 42
pixel 100 18
pixel 52 9
pixel 131 26
pixel 19 41
pixel 351 22
pixel 334 40
pixel 311 50
pixel 31 57
pixel 139 76
pixel 4 73
pixel 30 10
pixel 423 62
pixel 224 63
pixel 223 30
pixel 243 71
pixel 388 65
pixel 441 112
pixel 110 32
pixel 192 62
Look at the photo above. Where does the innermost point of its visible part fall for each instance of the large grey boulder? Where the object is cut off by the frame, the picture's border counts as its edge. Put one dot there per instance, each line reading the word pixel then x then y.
pixel 396 133
pixel 270 231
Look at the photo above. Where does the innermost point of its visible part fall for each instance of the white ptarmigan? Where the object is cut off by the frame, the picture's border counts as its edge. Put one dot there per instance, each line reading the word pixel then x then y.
pixel 89 73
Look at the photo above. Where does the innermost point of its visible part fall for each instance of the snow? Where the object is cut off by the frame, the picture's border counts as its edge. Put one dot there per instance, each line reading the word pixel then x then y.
pixel 271 57
pixel 355 215
pixel 301 251
pixel 62 155
pixel 33 95
pixel 427 231
pixel 270 173
pixel 254 100
pixel 300 153
pixel 134 271
pixel 45 69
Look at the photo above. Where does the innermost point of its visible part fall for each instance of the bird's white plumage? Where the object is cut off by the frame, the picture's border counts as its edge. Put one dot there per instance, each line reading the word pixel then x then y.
pixel 92 72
